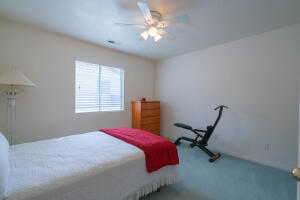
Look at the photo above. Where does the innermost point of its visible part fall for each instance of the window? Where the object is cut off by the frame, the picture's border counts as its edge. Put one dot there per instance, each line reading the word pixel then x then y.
pixel 98 88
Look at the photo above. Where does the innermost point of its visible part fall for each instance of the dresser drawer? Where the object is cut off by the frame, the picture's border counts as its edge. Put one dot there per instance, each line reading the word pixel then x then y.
pixel 151 127
pixel 157 132
pixel 150 105
pixel 150 120
pixel 150 113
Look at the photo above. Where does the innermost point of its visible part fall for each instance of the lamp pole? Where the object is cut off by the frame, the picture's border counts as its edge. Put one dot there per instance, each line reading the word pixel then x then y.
pixel 11 112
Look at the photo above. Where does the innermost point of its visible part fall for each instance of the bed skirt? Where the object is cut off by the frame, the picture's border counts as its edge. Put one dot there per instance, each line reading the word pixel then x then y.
pixel 152 187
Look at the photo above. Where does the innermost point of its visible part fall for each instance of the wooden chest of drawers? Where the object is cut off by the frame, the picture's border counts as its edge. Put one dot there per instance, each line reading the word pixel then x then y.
pixel 146 115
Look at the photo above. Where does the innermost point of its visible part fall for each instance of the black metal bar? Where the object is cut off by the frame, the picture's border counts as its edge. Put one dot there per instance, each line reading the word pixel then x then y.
pixel 185 138
pixel 211 154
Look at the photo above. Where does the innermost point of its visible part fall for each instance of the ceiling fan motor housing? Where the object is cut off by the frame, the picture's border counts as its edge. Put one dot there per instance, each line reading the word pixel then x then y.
pixel 156 15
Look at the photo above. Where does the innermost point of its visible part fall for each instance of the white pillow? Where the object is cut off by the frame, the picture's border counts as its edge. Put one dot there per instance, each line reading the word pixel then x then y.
pixel 4 165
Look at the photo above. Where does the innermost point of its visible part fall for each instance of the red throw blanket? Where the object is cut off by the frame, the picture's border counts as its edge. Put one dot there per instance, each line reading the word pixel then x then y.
pixel 159 152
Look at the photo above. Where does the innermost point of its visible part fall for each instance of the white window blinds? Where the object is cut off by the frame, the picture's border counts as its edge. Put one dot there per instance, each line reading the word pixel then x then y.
pixel 98 88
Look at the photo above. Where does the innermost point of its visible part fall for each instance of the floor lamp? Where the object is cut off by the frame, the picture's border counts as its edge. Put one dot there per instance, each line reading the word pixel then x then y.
pixel 12 79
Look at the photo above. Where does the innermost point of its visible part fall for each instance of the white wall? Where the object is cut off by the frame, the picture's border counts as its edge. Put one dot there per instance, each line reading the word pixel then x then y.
pixel 256 77
pixel 298 183
pixel 48 60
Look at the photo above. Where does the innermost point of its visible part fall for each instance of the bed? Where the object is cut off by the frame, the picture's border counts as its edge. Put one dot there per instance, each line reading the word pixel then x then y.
pixel 90 166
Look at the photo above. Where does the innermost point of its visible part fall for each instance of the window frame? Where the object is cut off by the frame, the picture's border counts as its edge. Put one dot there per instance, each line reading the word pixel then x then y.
pixel 122 89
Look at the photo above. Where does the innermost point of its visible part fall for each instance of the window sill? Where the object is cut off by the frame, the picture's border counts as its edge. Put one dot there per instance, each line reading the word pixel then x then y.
pixel 109 111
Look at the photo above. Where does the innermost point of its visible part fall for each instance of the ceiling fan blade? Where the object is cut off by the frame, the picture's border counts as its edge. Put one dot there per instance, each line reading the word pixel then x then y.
pixel 143 6
pixel 128 24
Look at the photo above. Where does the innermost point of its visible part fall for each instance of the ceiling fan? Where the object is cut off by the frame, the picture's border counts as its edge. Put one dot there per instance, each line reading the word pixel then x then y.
pixel 154 25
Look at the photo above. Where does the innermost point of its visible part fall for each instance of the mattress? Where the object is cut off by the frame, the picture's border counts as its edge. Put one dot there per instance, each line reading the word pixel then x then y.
pixel 90 166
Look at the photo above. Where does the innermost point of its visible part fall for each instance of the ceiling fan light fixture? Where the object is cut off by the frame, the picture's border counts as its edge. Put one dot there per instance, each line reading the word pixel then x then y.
pixel 152 31
pixel 145 35
pixel 161 25
pixel 157 37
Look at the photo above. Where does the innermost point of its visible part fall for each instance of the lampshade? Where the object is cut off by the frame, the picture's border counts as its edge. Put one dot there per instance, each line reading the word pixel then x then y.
pixel 13 76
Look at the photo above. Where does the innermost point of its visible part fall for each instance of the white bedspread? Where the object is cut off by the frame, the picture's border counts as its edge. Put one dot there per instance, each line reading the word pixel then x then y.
pixel 90 166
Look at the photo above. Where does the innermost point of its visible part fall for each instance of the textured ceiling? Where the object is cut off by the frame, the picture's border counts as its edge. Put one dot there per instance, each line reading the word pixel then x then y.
pixel 212 22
